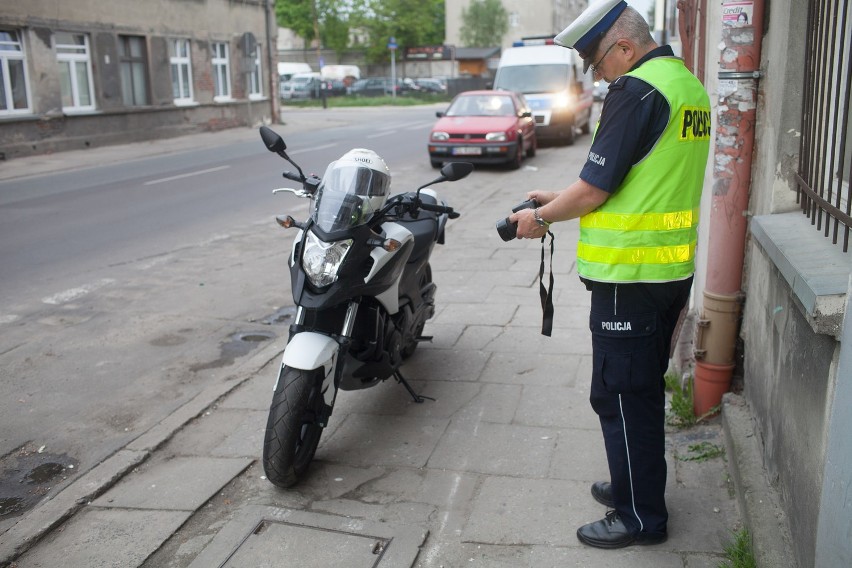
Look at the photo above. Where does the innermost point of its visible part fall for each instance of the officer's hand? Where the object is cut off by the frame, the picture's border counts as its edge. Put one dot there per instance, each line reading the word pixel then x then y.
pixel 527 226
pixel 543 197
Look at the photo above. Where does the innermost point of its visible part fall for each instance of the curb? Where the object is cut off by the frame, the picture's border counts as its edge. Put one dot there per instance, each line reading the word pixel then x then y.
pixel 50 514
pixel 759 502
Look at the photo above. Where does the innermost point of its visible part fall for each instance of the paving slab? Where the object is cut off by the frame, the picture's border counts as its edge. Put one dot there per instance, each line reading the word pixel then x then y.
pixel 105 537
pixel 283 538
pixel 532 369
pixel 368 440
pixel 556 407
pixel 178 484
pixel 498 449
pixel 516 511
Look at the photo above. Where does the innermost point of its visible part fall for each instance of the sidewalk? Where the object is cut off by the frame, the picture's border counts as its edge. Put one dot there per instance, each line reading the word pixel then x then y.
pixel 494 473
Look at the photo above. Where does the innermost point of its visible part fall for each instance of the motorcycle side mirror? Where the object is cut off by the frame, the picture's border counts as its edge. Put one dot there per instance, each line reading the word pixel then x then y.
pixel 273 142
pixel 454 171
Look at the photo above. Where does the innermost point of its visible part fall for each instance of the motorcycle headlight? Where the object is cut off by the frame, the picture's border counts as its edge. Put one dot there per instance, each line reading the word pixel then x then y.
pixel 321 260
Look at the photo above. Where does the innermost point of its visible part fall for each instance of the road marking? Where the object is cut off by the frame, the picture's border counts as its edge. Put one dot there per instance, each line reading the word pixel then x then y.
pixel 74 293
pixel 314 149
pixel 182 176
pixel 420 125
pixel 380 134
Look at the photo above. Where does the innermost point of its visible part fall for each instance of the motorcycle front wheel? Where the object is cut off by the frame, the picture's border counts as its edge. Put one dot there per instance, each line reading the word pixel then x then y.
pixel 292 430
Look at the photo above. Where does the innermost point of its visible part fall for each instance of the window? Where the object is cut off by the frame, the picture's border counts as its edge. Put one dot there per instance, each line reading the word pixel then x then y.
pixel 825 160
pixel 75 71
pixel 255 77
pixel 221 72
pixel 14 94
pixel 181 67
pixel 134 70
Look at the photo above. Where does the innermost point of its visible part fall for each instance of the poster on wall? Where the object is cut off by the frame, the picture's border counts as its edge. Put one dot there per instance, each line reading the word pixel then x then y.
pixel 737 14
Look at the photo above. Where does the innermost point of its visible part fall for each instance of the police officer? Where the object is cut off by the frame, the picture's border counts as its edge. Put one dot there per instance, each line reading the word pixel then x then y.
pixel 637 198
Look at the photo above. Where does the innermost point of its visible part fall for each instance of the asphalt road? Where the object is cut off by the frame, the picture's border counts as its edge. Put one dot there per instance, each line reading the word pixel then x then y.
pixel 128 287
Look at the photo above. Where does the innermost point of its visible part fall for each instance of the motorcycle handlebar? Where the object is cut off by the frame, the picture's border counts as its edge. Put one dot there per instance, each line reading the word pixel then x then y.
pixel 439 209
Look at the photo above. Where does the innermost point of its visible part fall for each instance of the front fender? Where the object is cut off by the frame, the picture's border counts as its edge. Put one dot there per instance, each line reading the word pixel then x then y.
pixel 309 350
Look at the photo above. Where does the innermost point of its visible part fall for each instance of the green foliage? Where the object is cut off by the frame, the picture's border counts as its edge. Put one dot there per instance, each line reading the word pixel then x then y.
pixel 702 452
pixel 297 15
pixel 410 22
pixel 681 413
pixel 484 23
pixel 738 552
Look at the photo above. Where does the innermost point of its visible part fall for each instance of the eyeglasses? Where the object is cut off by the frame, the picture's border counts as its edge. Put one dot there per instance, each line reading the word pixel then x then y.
pixel 594 66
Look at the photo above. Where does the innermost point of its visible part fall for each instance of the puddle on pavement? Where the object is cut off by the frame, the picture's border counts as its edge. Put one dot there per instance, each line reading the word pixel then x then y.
pixel 27 475
pixel 238 344
pixel 283 315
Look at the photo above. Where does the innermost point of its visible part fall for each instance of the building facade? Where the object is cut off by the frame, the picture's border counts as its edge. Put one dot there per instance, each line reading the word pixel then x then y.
pixel 776 217
pixel 526 18
pixel 93 72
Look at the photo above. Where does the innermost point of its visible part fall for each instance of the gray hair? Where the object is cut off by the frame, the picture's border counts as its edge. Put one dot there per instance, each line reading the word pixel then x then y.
pixel 632 26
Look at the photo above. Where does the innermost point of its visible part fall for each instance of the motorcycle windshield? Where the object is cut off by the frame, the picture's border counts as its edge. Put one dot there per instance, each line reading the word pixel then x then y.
pixel 348 197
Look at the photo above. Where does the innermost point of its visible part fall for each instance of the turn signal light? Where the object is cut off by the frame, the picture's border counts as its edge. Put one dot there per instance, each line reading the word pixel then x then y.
pixel 391 245
pixel 285 221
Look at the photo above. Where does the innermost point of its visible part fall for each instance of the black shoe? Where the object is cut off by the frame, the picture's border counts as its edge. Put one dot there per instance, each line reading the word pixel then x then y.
pixel 602 492
pixel 611 532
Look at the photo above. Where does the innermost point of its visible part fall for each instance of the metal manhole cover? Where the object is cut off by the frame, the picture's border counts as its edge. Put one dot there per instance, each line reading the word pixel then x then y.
pixel 287 544
pixel 284 538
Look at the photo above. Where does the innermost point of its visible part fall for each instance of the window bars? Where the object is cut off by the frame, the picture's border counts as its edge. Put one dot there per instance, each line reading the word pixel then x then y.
pixel 825 157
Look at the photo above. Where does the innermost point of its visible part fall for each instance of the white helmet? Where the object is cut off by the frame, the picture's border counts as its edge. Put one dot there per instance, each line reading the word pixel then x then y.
pixel 360 173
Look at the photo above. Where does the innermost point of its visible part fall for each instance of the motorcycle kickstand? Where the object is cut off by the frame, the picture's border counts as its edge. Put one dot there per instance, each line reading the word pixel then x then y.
pixel 401 380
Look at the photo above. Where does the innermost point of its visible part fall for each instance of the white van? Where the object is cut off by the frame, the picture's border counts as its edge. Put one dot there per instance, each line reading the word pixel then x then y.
pixel 551 79
pixel 287 70
pixel 341 72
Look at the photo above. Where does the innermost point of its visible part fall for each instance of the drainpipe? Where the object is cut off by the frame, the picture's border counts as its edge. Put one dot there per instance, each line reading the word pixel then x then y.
pixel 718 325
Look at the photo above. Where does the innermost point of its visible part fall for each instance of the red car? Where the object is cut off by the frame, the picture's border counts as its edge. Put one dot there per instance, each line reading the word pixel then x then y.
pixel 484 127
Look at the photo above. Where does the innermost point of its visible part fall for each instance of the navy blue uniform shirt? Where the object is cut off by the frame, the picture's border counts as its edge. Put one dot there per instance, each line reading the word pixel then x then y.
pixel 633 118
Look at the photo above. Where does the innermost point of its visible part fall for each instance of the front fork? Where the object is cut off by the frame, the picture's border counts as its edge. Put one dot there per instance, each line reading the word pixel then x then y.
pixel 309 350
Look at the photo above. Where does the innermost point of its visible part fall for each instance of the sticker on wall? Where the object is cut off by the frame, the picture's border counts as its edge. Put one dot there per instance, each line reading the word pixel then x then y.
pixel 737 14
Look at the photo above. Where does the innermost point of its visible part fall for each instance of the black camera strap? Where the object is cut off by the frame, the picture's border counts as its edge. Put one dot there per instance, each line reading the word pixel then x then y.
pixel 546 295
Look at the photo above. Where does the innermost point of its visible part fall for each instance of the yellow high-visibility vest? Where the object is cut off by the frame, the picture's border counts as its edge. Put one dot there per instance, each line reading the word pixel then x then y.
pixel 646 231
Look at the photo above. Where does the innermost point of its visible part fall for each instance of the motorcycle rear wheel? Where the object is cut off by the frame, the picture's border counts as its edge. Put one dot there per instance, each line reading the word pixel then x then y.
pixel 292 431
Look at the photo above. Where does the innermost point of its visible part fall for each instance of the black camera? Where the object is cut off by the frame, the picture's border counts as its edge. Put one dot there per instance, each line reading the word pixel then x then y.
pixel 509 231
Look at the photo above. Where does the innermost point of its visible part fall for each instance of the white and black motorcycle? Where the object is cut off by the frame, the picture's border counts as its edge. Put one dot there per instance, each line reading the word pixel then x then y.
pixel 362 285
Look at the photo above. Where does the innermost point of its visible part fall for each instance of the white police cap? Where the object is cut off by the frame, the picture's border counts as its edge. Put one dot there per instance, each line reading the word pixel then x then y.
pixel 585 32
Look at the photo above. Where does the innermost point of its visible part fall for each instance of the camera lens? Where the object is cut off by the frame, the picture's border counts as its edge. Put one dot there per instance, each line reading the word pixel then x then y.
pixel 507 230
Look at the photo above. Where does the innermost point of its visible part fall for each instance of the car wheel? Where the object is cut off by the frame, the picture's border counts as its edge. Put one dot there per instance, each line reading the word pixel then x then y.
pixel 437 164
pixel 568 139
pixel 515 163
pixel 586 128
pixel 532 149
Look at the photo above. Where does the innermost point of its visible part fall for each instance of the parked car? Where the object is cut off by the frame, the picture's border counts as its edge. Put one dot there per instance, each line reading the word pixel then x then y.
pixel 431 86
pixel 382 86
pixel 301 86
pixel 484 127
pixel 333 87
pixel 369 87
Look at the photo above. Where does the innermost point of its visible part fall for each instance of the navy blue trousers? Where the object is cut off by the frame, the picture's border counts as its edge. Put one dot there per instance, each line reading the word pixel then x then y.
pixel 632 327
